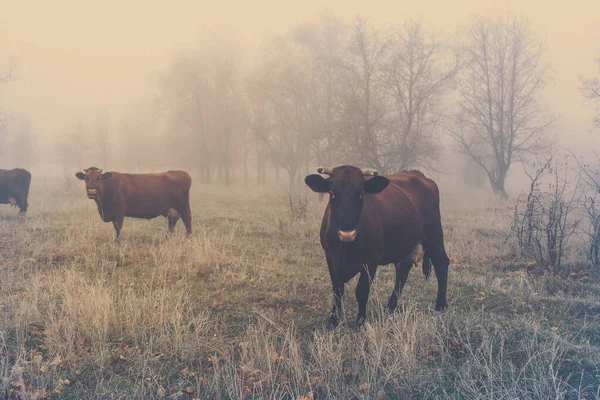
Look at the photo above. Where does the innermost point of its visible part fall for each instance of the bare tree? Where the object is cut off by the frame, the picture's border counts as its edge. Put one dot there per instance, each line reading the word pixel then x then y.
pixel 289 139
pixel 365 105
pixel 501 118
pixel 257 120
pixel 591 89
pixel 323 42
pixel 546 219
pixel 185 98
pixel 590 173
pixel 417 75
pixel 199 98
pixel 226 113
pixel 285 99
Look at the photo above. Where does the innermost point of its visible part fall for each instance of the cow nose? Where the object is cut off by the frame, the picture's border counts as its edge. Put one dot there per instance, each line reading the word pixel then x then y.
pixel 347 236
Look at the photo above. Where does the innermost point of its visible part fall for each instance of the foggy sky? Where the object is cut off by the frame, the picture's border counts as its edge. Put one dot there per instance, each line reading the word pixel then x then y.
pixel 76 59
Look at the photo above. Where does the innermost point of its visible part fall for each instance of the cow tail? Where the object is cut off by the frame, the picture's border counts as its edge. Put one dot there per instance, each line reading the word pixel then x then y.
pixel 426 265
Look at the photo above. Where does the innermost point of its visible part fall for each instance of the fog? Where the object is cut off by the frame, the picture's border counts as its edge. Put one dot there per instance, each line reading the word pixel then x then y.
pixel 104 66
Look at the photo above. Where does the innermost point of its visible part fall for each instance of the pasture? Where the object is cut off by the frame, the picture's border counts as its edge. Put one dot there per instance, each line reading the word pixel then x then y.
pixel 239 310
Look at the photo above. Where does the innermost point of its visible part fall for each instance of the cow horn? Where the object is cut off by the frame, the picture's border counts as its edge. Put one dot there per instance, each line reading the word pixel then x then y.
pixel 100 171
pixel 325 170
pixel 370 172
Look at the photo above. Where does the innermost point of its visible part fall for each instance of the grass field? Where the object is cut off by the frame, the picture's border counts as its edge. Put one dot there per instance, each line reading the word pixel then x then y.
pixel 239 310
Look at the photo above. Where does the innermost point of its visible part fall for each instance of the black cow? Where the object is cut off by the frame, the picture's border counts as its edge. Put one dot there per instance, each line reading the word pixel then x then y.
pixel 14 188
pixel 373 220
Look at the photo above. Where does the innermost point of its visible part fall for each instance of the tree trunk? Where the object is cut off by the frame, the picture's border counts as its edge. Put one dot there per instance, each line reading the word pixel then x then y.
pixel 498 185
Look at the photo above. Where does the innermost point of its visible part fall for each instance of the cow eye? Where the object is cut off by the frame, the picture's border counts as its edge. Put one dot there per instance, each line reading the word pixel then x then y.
pixel 331 195
pixel 361 195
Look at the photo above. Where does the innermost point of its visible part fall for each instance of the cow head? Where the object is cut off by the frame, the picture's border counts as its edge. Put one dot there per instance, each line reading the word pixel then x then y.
pixel 347 187
pixel 94 179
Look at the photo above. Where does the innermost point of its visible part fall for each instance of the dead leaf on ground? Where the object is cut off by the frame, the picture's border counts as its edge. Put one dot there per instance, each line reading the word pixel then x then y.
pixel 219 303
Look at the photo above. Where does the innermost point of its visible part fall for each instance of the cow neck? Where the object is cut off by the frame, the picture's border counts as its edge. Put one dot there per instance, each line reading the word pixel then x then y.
pixel 100 202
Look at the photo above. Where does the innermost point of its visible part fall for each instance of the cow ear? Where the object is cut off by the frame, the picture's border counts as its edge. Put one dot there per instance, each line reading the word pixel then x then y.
pixel 80 175
pixel 106 175
pixel 376 184
pixel 317 183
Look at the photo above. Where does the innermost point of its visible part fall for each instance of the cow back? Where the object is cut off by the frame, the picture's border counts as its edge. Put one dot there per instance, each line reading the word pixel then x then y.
pixel 405 213
pixel 146 195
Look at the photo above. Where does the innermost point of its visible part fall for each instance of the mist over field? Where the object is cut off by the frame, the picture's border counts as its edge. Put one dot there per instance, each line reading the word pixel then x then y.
pixel 94 79
pixel 497 102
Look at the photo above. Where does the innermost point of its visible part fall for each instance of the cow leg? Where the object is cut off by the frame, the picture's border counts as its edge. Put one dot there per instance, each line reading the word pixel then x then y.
pixel 118 225
pixel 172 223
pixel 440 262
pixel 338 292
pixel 173 217
pixel 402 270
pixel 336 310
pixel 22 204
pixel 362 292
pixel 186 217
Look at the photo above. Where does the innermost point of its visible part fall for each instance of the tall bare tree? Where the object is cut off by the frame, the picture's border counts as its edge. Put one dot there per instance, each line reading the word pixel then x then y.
pixel 185 99
pixel 257 119
pixel 501 118
pixel 417 74
pixel 199 97
pixel 591 89
pixel 288 94
pixel 226 112
pixel 365 105
pixel 323 42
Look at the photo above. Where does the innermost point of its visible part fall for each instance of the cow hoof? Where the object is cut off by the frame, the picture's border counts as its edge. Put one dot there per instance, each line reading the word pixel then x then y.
pixel 441 307
pixel 333 322
pixel 360 322
pixel 391 307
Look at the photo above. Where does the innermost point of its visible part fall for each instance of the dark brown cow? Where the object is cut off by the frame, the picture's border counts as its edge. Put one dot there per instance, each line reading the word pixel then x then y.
pixel 139 196
pixel 373 220
pixel 14 188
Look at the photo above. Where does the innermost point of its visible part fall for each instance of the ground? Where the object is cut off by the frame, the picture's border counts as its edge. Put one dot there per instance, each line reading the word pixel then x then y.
pixel 239 310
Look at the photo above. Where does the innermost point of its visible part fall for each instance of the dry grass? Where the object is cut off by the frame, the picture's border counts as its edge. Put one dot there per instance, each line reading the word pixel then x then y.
pixel 239 310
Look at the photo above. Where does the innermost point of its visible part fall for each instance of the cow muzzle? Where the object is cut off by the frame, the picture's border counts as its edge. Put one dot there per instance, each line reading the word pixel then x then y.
pixel 92 193
pixel 347 236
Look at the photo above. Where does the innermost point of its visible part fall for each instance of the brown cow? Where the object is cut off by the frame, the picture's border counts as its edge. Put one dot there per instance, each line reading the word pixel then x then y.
pixel 373 220
pixel 14 188
pixel 139 196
